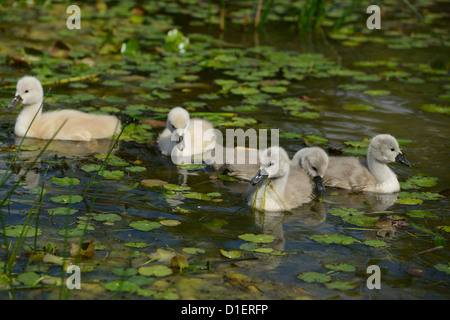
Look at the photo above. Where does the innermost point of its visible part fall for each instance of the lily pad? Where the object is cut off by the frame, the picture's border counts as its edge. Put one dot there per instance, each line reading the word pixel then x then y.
pixel 340 285
pixel 377 92
pixel 421 214
pixel 66 181
pixel 193 250
pixel 156 270
pixel 358 107
pixel 259 238
pixel 232 254
pixel 144 225
pixel 341 267
pixel 375 243
pixel 108 217
pixel 274 89
pixel 121 286
pixel 434 108
pixel 333 238
pixel 16 230
pixel 311 276
pixel 409 201
pixel 112 175
pixel 443 267
pixel 69 198
pixel 29 278
pixel 62 211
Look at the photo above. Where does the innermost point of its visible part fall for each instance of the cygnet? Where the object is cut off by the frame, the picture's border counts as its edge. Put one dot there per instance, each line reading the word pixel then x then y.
pixel 349 173
pixel 72 124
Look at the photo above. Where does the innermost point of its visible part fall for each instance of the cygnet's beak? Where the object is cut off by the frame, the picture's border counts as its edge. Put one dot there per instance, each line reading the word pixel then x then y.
pixel 261 175
pixel 318 181
pixel 181 143
pixel 16 101
pixel 400 158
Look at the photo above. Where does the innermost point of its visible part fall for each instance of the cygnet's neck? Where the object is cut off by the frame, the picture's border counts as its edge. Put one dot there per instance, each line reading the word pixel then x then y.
pixel 26 117
pixel 279 184
pixel 385 176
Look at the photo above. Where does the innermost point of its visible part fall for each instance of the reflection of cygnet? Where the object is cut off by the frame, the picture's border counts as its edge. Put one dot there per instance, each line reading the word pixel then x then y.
pixel 349 173
pixel 184 137
pixel 72 124
pixel 278 186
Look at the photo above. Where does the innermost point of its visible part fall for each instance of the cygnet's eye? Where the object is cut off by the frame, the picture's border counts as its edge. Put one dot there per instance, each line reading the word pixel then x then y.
pixel 271 163
pixel 314 168
pixel 392 149
pixel 26 91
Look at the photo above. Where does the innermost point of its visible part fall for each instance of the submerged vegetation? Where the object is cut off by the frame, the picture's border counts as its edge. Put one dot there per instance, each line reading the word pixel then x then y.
pixel 133 221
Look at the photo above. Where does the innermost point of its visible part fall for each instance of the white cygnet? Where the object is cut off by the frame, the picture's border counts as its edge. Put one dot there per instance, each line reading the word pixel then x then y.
pixel 278 185
pixel 72 124
pixel 349 173
pixel 184 137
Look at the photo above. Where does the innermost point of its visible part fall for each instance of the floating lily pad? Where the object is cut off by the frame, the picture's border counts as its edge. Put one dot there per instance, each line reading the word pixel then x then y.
pixel 124 272
pixel 62 211
pixel 144 225
pixel 174 187
pixel 409 201
pixel 274 89
pixel 421 214
pixel 358 107
pixel 375 243
pixel 341 267
pixel 232 254
pixel 121 286
pixel 333 238
pixel 311 276
pixel 435 109
pixel 377 92
pixel 66 181
pixel 108 217
pixel 193 250
pixel 170 222
pixel 244 91
pixel 91 167
pixel 306 114
pixel 113 175
pixel 196 195
pixel 29 278
pixel 136 244
pixel 16 230
pixel 156 270
pixel 259 238
pixel 340 285
pixel 69 198
pixel 443 267
pixel 136 169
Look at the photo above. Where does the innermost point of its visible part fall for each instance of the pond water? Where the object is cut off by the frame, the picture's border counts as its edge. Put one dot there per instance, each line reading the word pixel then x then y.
pixel 335 89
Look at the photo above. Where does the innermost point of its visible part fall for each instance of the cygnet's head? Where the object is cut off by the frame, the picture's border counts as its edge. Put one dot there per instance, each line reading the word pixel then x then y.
pixel 28 91
pixel 274 164
pixel 384 148
pixel 178 122
pixel 314 161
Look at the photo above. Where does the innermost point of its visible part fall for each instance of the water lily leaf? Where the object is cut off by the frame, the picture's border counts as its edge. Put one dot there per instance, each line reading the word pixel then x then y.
pixel 349 86
pixel 362 221
pixel 62 211
pixel 170 223
pixel 136 244
pixel 333 238
pixel 344 211
pixel 274 89
pixel 418 181
pixel 113 175
pixel 153 182
pixel 69 198
pixel 313 138
pixel 340 285
pixel 244 91
pixel 112 159
pixel 121 286
pixel 443 267
pixel 174 187
pixel 232 254
pixel 358 107
pixel 375 243
pixel 66 181
pixel 25 147
pixel 124 272
pixel 136 169
pixel 435 109
pixel 421 214
pixel 421 228
pixel 196 195
pixel 311 276
pixel 16 231
pixel 91 167
pixel 144 225
pixel 156 270
pixel 259 238
pixel 306 114
pixel 191 166
pixel 445 228
pixel 29 278
pixel 377 92
pixel 193 250
pixel 409 201
pixel 109 217
pixel 341 267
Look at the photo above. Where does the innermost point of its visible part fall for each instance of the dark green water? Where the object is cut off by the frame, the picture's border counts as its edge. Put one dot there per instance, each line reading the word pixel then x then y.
pixel 406 59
